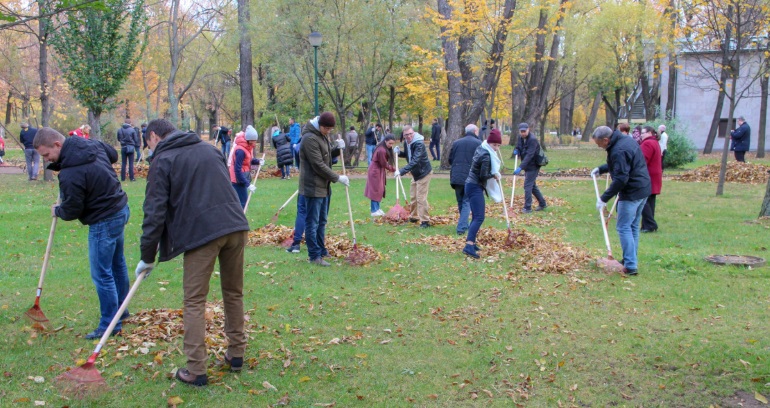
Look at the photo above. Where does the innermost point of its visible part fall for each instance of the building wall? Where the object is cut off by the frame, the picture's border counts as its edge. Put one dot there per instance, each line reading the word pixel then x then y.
pixel 696 97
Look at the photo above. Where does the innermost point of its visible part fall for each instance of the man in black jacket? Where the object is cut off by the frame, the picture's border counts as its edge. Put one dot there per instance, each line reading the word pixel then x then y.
pixel 460 158
pixel 421 170
pixel 187 182
pixel 27 136
pixel 372 137
pixel 435 140
pixel 741 139
pixel 529 150
pixel 127 138
pixel 631 182
pixel 90 192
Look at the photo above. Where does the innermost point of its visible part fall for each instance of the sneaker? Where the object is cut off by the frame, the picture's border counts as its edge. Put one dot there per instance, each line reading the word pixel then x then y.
pixel 97 334
pixel 320 262
pixel 541 208
pixel 425 224
pixel 526 210
pixel 380 212
pixel 630 272
pixel 325 253
pixel 235 363
pixel 376 214
pixel 470 251
pixel 294 249
pixel 191 379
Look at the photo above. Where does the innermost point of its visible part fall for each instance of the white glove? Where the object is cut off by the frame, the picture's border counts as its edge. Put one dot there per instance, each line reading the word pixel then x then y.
pixel 340 143
pixel 397 175
pixel 252 188
pixel 595 172
pixel 260 162
pixel 344 180
pixel 141 267
pixel 600 204
pixel 396 150
pixel 497 176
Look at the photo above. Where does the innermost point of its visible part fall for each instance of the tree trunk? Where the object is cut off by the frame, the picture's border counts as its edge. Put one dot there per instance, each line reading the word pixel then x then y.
pixel 589 128
pixel 670 98
pixel 245 68
pixel 725 149
pixel 8 108
pixel 765 211
pixel 723 77
pixel 566 109
pixel 419 124
pixel 763 83
pixel 44 25
pixel 391 107
pixel 94 120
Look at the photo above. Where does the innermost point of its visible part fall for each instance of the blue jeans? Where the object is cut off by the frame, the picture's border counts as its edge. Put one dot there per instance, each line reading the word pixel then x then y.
pixel 295 152
pixel 32 158
pixel 374 206
pixel 130 157
pixel 463 207
pixel 286 170
pixel 243 193
pixel 475 196
pixel 108 265
pixel 629 216
pixel 299 222
pixel 315 225
pixel 369 153
pixel 226 149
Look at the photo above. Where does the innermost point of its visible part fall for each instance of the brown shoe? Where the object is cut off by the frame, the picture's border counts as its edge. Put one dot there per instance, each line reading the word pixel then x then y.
pixel 191 379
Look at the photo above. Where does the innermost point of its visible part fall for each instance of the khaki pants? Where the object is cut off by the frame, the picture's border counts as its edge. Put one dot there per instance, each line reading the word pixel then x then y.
pixel 198 267
pixel 418 194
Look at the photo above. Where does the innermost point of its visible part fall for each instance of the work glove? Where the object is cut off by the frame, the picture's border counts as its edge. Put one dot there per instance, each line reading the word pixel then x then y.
pixel 595 172
pixel 252 188
pixel 141 267
pixel 344 180
pixel 497 176
pixel 517 171
pixel 516 152
pixel 396 150
pixel 340 144
pixel 600 204
pixel 397 175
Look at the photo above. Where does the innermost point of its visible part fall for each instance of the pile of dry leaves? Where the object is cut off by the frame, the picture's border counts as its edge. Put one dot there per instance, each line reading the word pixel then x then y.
pixel 577 172
pixel 270 234
pixel 540 254
pixel 140 169
pixel 737 172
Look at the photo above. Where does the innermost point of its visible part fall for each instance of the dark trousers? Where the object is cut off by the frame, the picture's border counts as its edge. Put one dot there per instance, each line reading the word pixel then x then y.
pixel 130 158
pixel 437 154
pixel 740 156
pixel 648 214
pixel 299 222
pixel 243 193
pixel 530 188
pixel 475 196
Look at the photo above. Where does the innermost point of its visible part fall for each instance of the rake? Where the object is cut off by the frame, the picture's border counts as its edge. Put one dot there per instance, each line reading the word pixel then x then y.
pixel 275 216
pixel 609 264
pixel 254 182
pixel 356 256
pixel 513 188
pixel 509 241
pixel 397 212
pixel 35 313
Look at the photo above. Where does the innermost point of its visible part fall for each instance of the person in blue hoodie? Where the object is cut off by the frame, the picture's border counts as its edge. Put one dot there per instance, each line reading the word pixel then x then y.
pixel 91 193
pixel 295 135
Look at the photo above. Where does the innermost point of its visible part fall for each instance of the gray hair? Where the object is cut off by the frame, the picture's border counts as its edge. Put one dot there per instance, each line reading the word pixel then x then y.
pixel 741 118
pixel 662 128
pixel 471 128
pixel 602 132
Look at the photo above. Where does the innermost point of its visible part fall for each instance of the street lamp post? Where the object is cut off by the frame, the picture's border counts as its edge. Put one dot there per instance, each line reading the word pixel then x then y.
pixel 315 40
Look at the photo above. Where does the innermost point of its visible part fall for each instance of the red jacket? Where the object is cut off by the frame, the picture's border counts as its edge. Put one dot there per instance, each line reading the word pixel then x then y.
pixel 245 165
pixel 651 150
pixel 78 132
pixel 376 177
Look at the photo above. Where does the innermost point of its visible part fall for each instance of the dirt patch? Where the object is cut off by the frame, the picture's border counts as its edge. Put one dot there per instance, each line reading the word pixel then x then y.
pixel 743 399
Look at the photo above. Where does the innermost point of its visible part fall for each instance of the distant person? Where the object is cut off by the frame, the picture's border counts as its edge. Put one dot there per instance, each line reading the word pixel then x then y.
pixel 91 193
pixel 2 148
pixel 295 134
pixel 372 137
pixel 419 166
pixel 528 148
pixel 191 209
pixel 376 175
pixel 31 156
pixel 631 183
pixel 662 138
pixel 143 129
pixel 741 139
pixel 127 138
pixel 137 144
pixel 223 136
pixel 242 160
pixel 435 140
pixel 485 166
pixel 283 154
pixel 352 141
pixel 637 134
pixel 460 159
pixel 654 159
pixel 624 128
pixel 83 131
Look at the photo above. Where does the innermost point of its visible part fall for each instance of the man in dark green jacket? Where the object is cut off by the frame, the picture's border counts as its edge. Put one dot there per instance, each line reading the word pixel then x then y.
pixel 187 182
pixel 315 177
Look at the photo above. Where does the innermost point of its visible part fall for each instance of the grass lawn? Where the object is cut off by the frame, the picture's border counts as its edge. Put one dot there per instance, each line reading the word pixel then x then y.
pixel 422 327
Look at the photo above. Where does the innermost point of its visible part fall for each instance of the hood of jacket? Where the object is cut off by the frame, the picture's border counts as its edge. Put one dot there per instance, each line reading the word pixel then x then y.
pixel 418 138
pixel 177 139
pixel 126 126
pixel 76 151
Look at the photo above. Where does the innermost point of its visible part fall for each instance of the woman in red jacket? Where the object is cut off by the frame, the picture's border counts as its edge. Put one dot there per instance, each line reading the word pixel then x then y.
pixel 376 175
pixel 651 150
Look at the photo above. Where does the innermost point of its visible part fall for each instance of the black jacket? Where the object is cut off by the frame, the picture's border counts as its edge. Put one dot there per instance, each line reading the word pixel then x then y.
pixel 282 145
pixel 529 149
pixel 419 164
pixel 127 135
pixel 371 137
pixel 741 138
pixel 435 133
pixel 626 164
pixel 28 137
pixel 481 168
pixel 189 200
pixel 88 186
pixel 461 157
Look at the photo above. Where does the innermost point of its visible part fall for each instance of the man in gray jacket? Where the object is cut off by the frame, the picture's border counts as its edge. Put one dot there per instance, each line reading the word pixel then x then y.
pixel 419 166
pixel 187 182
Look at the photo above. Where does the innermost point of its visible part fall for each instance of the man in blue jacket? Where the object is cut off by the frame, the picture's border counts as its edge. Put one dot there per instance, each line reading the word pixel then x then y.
pixel 460 160
pixel 741 138
pixel 631 182
pixel 90 192
pixel 27 136
pixel 295 135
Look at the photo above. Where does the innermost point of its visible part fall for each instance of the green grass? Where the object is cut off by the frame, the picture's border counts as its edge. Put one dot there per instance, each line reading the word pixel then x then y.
pixel 682 333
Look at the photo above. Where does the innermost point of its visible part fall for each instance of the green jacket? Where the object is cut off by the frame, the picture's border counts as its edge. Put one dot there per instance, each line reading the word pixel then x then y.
pixel 315 156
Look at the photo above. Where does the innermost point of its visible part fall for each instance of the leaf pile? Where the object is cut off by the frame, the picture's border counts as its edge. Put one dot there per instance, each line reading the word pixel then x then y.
pixel 737 172
pixel 140 169
pixel 538 254
pixel 576 172
pixel 270 234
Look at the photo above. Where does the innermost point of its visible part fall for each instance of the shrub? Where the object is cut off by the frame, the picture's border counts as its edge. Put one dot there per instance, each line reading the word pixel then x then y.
pixel 680 149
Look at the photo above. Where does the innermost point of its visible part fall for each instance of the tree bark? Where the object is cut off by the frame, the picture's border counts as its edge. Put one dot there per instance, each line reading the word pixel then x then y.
pixel 391 107
pixel 592 118
pixel 8 108
pixel 245 68
pixel 94 120
pixel 44 26
pixel 765 210
pixel 763 83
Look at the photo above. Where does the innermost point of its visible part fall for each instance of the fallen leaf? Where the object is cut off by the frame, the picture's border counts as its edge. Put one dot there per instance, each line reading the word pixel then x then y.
pixel 18 400
pixel 745 363
pixel 327 405
pixel 116 374
pixel 39 403
pixel 283 401
pixel 38 379
pixel 174 401
pixel 269 386
pixel 304 379
pixel 759 397
pixel 433 396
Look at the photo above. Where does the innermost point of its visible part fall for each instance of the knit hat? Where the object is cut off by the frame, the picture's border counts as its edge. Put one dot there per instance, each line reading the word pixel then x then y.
pixel 327 120
pixel 494 137
pixel 251 134
pixel 523 126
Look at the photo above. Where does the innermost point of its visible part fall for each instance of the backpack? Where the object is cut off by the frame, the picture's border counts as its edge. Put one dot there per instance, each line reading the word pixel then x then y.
pixel 542 159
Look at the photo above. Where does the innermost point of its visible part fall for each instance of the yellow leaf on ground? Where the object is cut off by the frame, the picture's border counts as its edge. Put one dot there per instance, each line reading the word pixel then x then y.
pixel 304 379
pixel 759 397
pixel 116 374
pixel 174 401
